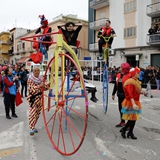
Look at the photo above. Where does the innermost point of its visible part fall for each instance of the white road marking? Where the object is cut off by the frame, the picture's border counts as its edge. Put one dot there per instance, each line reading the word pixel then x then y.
pixel 13 137
pixel 76 107
pixel 155 99
pixel 150 121
pixel 101 147
pixel 33 153
pixel 147 100
pixel 114 103
pixel 2 114
pixel 139 149
pixel 92 106
pixel 101 104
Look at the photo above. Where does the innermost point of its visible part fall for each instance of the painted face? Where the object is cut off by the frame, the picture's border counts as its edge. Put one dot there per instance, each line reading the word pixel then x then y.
pixel 36 72
pixel 137 75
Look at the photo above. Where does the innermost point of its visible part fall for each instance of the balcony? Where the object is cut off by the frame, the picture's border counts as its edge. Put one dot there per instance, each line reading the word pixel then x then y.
pixel 4 51
pixel 153 10
pixel 97 4
pixel 10 41
pixel 96 25
pixel 153 39
pixel 10 52
pixel 16 52
pixel 23 50
pixel 30 49
pixel 93 47
pixel 4 42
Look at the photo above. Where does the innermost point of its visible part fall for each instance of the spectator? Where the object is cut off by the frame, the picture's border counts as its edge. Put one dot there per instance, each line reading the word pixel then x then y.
pixel 23 78
pixel 151 31
pixel 10 90
pixel 148 74
pixel 158 77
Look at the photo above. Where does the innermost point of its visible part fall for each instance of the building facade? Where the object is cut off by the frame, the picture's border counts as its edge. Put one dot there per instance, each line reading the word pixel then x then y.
pixel 131 20
pixel 4 47
pixel 23 49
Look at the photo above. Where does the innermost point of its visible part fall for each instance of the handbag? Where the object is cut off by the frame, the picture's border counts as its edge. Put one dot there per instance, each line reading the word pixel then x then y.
pixel 18 99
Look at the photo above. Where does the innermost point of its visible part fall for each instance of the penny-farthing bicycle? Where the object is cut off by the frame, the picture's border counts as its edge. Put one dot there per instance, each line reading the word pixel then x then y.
pixel 105 74
pixel 65 105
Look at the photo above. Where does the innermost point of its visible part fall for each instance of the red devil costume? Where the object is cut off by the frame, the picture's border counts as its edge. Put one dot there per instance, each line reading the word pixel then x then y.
pixel 43 29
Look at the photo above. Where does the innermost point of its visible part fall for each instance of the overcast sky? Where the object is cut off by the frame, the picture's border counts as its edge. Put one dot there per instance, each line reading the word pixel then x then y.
pixel 24 13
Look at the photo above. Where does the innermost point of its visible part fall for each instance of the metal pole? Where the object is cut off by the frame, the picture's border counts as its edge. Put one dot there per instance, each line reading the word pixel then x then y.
pixel 92 69
pixel 100 70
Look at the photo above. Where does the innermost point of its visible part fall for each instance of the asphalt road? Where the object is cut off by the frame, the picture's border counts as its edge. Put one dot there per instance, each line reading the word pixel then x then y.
pixel 102 141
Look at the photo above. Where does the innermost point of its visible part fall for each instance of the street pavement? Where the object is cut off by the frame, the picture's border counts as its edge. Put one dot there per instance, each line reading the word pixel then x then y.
pixel 103 140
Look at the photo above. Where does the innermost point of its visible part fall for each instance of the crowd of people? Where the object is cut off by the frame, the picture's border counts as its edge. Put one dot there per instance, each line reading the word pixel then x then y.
pixel 154 30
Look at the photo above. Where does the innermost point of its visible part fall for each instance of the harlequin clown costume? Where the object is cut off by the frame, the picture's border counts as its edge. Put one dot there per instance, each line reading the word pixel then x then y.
pixel 35 101
pixel 132 90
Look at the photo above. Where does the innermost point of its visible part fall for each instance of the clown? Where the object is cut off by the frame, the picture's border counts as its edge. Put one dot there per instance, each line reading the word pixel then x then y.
pixel 131 106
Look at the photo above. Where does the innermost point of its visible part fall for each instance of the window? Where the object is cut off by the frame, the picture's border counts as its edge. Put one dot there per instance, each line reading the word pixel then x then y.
pixel 18 46
pixel 23 45
pixel 130 32
pixel 102 15
pixel 130 6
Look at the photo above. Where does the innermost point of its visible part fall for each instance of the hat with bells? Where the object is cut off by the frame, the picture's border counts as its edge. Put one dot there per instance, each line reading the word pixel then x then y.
pixel 43 20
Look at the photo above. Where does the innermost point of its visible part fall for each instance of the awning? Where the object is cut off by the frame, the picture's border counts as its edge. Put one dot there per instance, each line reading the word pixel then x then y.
pixel 23 60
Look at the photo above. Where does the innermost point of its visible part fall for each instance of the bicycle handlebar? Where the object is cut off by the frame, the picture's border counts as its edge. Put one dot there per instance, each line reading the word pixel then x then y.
pixel 106 39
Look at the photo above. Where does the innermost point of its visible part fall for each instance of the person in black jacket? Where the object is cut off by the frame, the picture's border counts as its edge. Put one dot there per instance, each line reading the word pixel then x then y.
pixel 148 74
pixel 23 78
pixel 118 88
pixel 157 77
pixel 70 33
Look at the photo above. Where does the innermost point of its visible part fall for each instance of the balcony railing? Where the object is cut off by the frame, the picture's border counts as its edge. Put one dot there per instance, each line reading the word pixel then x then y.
pixel 4 42
pixel 3 52
pixel 153 39
pixel 153 10
pixel 96 4
pixel 23 50
pixel 98 24
pixel 30 49
pixel 93 47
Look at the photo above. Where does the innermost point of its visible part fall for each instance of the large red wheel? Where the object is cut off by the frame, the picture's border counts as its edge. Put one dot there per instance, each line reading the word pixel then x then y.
pixel 66 120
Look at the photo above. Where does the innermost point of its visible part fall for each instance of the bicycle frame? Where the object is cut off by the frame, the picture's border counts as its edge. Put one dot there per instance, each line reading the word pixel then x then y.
pixel 58 49
pixel 105 50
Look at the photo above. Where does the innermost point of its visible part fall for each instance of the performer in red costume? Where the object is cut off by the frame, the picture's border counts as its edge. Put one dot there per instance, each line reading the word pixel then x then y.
pixel 43 29
pixel 41 49
pixel 131 106
pixel 118 88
